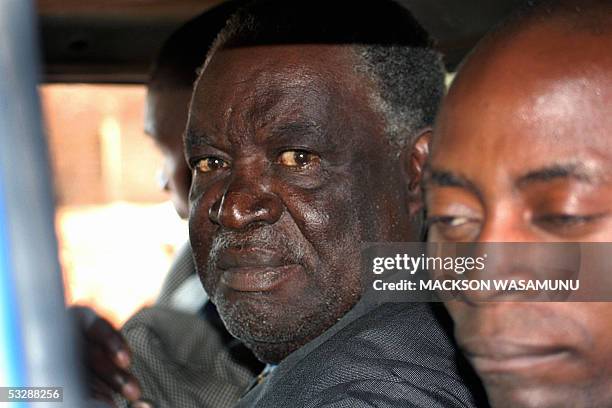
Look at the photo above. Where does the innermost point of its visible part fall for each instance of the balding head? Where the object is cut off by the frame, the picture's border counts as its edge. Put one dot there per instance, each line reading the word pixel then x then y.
pixel 545 43
pixel 547 63
pixel 592 16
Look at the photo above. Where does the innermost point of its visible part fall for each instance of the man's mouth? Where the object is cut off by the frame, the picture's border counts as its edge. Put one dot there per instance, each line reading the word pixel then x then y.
pixel 253 269
pixel 258 278
pixel 496 356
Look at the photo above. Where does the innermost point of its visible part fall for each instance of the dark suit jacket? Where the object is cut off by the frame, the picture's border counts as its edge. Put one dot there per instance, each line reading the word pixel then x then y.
pixel 394 355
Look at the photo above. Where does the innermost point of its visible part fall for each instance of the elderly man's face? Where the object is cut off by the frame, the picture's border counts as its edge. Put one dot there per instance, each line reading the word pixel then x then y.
pixel 292 170
pixel 522 152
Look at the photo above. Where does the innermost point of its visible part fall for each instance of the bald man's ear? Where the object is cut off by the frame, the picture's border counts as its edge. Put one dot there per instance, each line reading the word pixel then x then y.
pixel 413 162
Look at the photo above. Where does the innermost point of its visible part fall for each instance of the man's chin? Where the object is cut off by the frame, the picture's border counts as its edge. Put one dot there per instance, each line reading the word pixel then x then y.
pixel 269 336
pixel 272 326
pixel 259 317
pixel 272 353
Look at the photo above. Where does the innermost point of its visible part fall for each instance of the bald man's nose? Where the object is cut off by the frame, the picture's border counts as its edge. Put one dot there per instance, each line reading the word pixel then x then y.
pixel 504 262
pixel 514 258
pixel 240 209
pixel 507 229
pixel 500 238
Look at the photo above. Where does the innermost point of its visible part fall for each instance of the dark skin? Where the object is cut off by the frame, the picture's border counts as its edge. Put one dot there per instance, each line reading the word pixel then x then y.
pixel 108 354
pixel 535 106
pixel 292 170
pixel 107 358
pixel 165 117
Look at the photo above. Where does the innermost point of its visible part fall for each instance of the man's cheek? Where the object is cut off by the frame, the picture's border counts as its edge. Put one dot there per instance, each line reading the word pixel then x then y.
pixel 201 235
pixel 462 317
pixel 327 208
pixel 206 189
pixel 327 226
pixel 200 230
pixel 337 240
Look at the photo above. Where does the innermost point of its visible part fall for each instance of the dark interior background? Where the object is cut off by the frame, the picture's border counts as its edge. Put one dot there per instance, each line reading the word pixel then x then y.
pixel 115 40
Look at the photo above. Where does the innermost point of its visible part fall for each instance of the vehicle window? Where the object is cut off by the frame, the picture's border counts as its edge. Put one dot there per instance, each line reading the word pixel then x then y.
pixel 117 231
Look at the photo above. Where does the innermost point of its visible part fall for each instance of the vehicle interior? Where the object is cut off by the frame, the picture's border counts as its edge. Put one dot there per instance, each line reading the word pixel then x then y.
pixel 89 62
pixel 115 41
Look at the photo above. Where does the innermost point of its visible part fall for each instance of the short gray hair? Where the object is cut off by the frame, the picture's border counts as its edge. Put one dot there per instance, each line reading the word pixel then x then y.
pixel 394 51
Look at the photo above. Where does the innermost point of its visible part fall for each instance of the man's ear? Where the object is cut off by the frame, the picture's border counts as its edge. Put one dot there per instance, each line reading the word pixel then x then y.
pixel 413 159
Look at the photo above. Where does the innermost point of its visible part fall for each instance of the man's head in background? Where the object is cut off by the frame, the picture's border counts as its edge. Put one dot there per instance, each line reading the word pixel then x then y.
pixel 522 152
pixel 169 92
pixel 304 155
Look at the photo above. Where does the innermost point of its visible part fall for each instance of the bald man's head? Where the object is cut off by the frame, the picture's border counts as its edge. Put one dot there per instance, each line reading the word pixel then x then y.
pixel 541 39
pixel 522 151
pixel 572 17
pixel 537 63
pixel 576 15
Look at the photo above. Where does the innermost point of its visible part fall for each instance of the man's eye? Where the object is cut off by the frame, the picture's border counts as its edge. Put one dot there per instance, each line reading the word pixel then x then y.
pixel 210 164
pixel 297 158
pixel 449 228
pixel 566 222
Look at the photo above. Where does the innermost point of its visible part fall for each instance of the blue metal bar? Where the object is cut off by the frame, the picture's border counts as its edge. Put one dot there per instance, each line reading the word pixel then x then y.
pixel 37 336
pixel 12 367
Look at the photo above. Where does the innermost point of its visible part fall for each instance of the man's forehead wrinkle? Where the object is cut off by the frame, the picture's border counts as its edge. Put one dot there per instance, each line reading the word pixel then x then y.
pixel 303 105
pixel 292 103
pixel 299 126
pixel 279 71
pixel 288 84
pixel 299 77
pixel 267 92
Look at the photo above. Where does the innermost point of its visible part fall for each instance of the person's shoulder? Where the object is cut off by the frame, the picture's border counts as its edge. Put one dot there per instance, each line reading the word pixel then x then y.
pixel 393 323
pixel 184 335
pixel 396 352
pixel 185 360
pixel 395 355
pixel 179 284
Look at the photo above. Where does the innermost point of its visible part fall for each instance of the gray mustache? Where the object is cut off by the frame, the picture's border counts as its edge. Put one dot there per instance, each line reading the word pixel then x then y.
pixel 263 237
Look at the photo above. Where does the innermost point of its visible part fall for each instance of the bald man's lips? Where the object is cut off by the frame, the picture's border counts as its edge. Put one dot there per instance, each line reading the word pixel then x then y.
pixel 501 355
pixel 254 269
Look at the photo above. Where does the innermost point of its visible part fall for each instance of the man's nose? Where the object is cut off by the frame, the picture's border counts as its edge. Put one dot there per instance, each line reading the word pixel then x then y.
pixel 504 239
pixel 504 262
pixel 244 204
pixel 506 225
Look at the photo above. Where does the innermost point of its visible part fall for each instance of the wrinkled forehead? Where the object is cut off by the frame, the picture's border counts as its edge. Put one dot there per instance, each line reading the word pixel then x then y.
pixel 269 80
pixel 532 100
